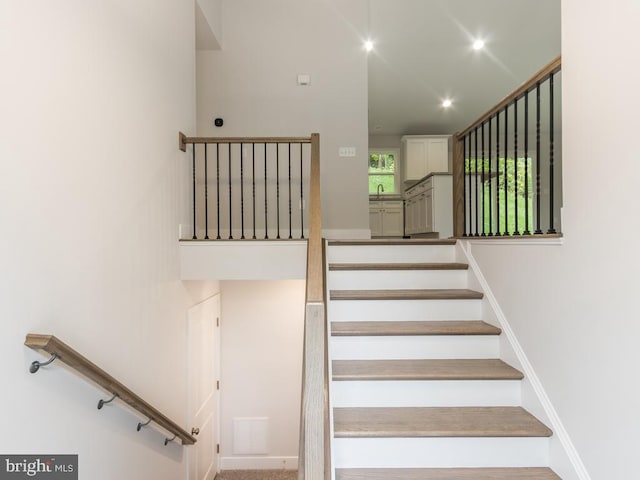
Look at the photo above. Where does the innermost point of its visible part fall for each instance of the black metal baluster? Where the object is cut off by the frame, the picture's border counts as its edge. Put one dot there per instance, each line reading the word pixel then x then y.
pixel 551 156
pixel 506 165
pixel 277 191
pixel 515 165
pixel 290 191
pixel 301 197
pixel 470 194
pixel 526 164
pixel 475 156
pixel 193 174
pixel 230 209
pixel 464 185
pixel 498 173
pixel 538 160
pixel 253 186
pixel 241 191
pixel 490 202
pixel 482 180
pixel 266 232
pixel 206 194
pixel 218 189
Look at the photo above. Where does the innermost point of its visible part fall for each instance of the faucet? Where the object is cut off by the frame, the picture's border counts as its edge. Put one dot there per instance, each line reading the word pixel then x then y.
pixel 380 189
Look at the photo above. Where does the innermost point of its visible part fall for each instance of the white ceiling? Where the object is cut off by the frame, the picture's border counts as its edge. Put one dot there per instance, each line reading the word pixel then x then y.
pixel 423 54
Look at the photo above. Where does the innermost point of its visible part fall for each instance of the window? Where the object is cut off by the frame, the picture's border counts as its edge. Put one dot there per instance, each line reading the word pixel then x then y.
pixel 383 171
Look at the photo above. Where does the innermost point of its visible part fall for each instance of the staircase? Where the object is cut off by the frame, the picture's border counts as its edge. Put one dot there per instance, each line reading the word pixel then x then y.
pixel 418 391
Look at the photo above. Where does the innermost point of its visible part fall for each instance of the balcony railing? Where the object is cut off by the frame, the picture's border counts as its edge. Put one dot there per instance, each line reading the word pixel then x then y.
pixel 249 188
pixel 507 164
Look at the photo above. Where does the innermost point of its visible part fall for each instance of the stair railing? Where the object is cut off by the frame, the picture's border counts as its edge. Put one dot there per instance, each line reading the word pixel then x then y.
pixel 269 188
pixel 507 166
pixel 248 187
pixel 314 461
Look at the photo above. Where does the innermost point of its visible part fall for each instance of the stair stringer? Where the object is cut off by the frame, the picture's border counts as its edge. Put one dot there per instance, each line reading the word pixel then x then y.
pixel 329 367
pixel 563 456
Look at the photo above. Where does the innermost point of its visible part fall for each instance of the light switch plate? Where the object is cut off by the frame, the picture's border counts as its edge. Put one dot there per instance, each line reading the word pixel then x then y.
pixel 304 79
pixel 347 151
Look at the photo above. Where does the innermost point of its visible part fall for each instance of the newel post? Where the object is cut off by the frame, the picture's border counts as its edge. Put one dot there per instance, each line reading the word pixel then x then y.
pixel 458 186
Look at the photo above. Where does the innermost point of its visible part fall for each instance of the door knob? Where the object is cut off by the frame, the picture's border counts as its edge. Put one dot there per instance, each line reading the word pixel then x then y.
pixel 195 431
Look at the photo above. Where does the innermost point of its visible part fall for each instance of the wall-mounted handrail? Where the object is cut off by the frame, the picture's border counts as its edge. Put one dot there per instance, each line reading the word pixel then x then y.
pixel 66 354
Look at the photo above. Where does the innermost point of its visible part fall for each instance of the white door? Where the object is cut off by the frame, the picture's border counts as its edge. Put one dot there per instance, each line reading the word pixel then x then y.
pixel 203 334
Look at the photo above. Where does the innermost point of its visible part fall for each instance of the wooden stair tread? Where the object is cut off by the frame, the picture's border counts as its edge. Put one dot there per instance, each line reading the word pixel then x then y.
pixel 527 473
pixel 406 294
pixel 340 267
pixel 432 369
pixel 446 327
pixel 437 422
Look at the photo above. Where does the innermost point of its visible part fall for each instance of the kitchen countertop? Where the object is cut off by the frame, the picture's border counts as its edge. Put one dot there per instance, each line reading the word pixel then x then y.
pixel 408 186
pixel 385 198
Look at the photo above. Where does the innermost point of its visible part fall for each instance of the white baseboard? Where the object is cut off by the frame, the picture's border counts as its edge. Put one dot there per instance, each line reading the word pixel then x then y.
pixel 572 457
pixel 346 234
pixel 259 463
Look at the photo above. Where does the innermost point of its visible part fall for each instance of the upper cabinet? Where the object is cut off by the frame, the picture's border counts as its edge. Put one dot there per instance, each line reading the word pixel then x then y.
pixel 424 154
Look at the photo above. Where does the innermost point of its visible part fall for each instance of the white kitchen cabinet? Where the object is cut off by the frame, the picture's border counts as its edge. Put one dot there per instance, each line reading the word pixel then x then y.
pixel 429 206
pixel 386 218
pixel 424 154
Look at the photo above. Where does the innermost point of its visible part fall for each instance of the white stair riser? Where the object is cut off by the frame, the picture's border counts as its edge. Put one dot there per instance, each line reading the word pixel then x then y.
pixel 404 310
pixel 397 279
pixel 426 393
pixel 440 452
pixel 392 254
pixel 444 452
pixel 414 347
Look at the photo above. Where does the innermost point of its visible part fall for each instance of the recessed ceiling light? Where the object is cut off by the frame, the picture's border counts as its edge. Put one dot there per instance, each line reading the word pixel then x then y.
pixel 478 45
pixel 446 103
pixel 368 45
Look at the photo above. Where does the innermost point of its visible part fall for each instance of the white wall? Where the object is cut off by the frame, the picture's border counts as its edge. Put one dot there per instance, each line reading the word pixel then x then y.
pixel 262 326
pixel 243 260
pixel 385 141
pixel 208 24
pixel 574 307
pixel 251 84
pixel 93 95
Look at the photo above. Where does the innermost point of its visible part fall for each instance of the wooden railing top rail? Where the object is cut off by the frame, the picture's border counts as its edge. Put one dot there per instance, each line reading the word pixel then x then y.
pixel 78 362
pixel 183 140
pixel 553 67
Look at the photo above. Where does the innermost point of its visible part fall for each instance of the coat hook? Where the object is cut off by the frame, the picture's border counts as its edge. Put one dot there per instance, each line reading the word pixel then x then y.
pixel 167 440
pixel 35 365
pixel 102 403
pixel 140 424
